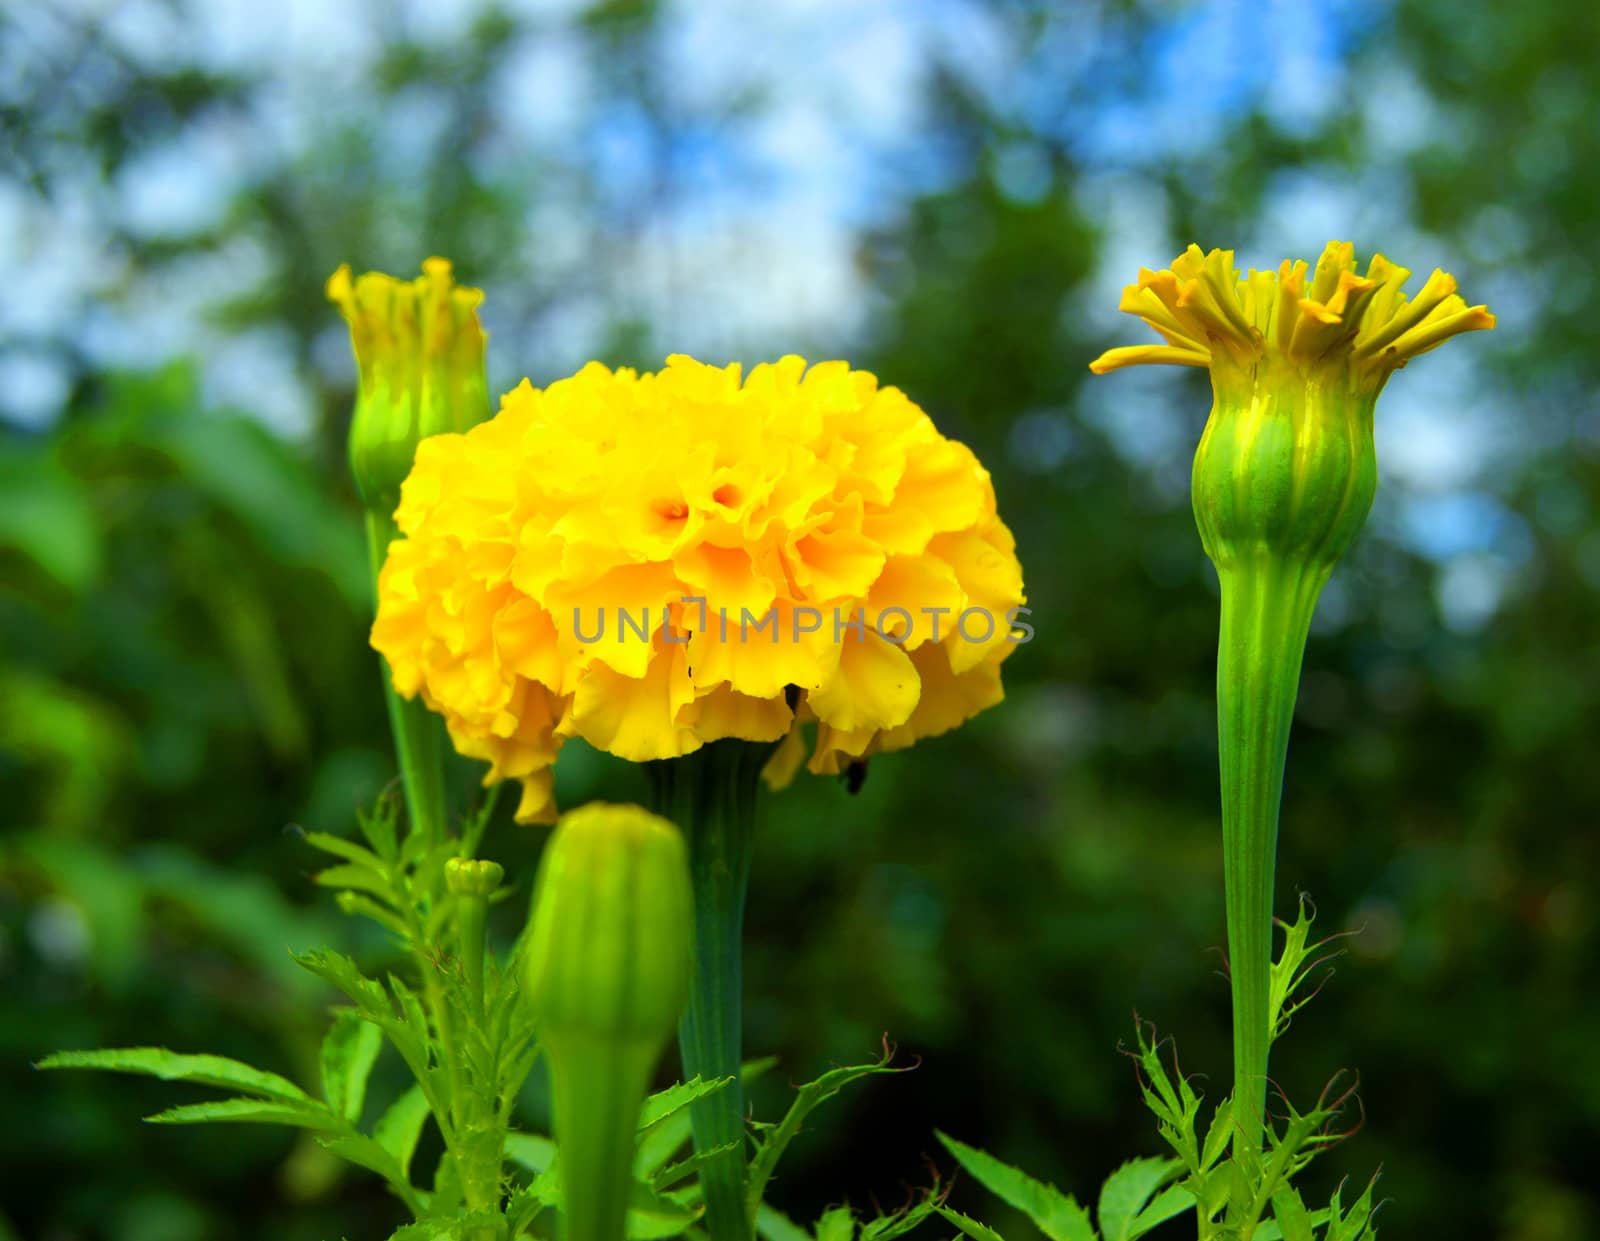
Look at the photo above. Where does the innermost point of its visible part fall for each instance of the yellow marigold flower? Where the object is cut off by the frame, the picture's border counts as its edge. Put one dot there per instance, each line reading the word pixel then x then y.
pixel 1363 327
pixel 653 562
pixel 1284 477
pixel 1287 462
pixel 419 347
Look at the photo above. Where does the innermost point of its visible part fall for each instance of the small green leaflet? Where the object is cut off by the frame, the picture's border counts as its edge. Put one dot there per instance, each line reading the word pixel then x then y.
pixel 256 1111
pixel 969 1226
pixel 670 1175
pixel 171 1066
pixel 665 1102
pixel 1058 1215
pixel 807 1099
pixel 349 1050
pixel 837 1224
pixel 1126 1194
pixel 400 1127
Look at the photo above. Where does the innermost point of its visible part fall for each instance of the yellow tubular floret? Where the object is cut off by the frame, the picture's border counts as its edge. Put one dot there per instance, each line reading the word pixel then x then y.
pixel 1365 324
pixel 408 321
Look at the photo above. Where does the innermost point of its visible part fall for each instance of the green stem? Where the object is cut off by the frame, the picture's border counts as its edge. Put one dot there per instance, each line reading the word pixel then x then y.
pixel 711 795
pixel 471 925
pixel 1267 603
pixel 598 1089
pixel 419 739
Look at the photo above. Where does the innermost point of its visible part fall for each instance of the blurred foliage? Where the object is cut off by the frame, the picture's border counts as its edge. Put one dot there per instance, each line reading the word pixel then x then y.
pixel 182 615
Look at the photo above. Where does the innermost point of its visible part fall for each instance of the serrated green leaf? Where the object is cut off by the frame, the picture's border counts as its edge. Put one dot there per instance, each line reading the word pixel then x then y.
pixel 358 906
pixel 1268 1230
pixel 665 1102
pixel 311 1115
pixel 410 1007
pixel 1127 1191
pixel 1057 1215
pixel 173 1066
pixel 837 1224
pixel 969 1226
pixel 1218 1135
pixel 657 1147
pixel 360 878
pixel 364 1152
pixel 773 1225
pixel 1168 1204
pixel 400 1127
pixel 346 849
pixel 1356 1225
pixel 1291 1214
pixel 670 1175
pixel 889 1227
pixel 349 1050
pixel 462 1228
pixel 807 1099
pixel 524 1205
pixel 379 825
pixel 424 1230
pixel 341 972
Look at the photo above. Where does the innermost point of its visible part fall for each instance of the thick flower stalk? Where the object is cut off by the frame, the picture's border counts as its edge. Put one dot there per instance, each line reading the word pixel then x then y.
pixel 420 353
pixel 607 973
pixel 698 568
pixel 1283 480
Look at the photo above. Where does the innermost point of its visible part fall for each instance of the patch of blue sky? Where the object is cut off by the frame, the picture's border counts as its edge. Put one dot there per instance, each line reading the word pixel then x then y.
pixel 1448 525
pixel 1176 84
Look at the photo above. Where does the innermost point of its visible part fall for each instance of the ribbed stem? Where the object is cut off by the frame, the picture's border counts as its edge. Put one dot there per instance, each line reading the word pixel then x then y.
pixel 598 1089
pixel 1267 604
pixel 711 795
pixel 419 737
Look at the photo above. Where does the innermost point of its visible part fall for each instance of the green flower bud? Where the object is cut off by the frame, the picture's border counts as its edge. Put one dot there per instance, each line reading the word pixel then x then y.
pixel 473 876
pixel 419 347
pixel 1286 467
pixel 609 949
pixel 608 961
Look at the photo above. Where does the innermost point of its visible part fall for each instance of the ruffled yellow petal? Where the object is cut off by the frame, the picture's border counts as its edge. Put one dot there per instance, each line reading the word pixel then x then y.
pixel 651 562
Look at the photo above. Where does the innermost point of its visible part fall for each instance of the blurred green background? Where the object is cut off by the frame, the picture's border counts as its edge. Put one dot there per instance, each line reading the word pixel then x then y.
pixel 950 194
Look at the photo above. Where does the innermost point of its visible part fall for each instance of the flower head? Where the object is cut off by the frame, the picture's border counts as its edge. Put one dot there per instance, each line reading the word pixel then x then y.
pixel 1287 463
pixel 653 562
pixel 419 348
pixel 1364 327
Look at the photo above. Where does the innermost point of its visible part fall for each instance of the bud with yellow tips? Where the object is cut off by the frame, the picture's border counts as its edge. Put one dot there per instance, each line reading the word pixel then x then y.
pixel 1283 480
pixel 420 350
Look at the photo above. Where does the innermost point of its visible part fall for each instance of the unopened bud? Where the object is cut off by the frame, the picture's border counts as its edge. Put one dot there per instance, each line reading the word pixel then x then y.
pixel 609 950
pixel 608 975
pixel 419 347
pixel 473 876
